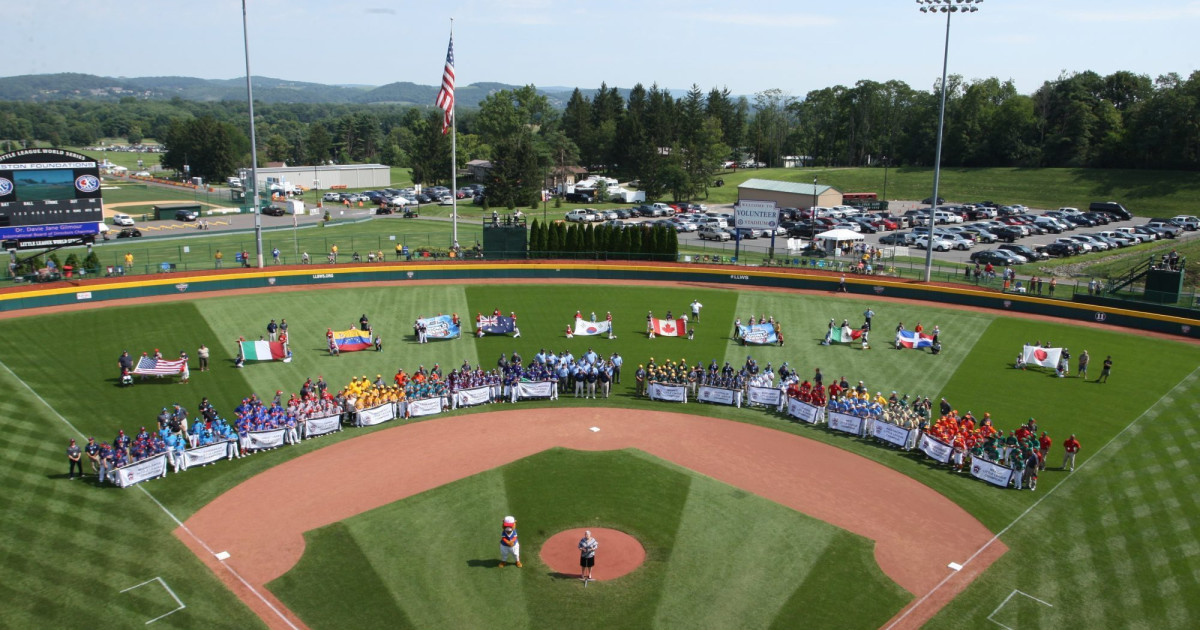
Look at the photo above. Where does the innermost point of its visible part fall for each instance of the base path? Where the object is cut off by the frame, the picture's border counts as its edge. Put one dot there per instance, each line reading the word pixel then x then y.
pixel 619 553
pixel 261 522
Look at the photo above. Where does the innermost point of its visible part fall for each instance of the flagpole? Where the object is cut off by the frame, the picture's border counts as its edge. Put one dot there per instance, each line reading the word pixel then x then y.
pixel 454 158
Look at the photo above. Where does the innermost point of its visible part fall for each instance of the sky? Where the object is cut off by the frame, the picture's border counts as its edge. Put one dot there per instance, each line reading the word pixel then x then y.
pixel 792 45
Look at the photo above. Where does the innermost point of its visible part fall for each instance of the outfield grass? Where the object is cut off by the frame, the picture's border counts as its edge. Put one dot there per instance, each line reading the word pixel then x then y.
pixel 69 360
pixel 713 553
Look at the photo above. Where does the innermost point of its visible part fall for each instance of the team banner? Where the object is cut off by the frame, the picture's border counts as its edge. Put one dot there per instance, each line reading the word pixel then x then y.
pixel 271 438
pixel 592 328
pixel 991 473
pixel 376 415
pixel 719 395
pixel 497 324
pixel 935 448
pixel 473 396
pixel 913 339
pixel 758 334
pixel 206 454
pixel 769 396
pixel 440 327
pixel 669 327
pixel 149 468
pixel 535 389
pixel 670 393
pixel 846 423
pixel 1045 357
pixel 805 412
pixel 320 426
pixel 424 407
pixel 893 434
pixel 265 351
pixel 352 340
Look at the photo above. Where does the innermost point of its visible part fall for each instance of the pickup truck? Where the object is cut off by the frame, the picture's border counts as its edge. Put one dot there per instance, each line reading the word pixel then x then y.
pixel 582 215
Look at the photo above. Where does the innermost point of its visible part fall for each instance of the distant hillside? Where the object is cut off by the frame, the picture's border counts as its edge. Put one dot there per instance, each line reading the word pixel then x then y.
pixel 74 86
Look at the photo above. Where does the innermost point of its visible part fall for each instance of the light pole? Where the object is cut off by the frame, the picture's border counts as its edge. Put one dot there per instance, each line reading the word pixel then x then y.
pixel 949 7
pixel 253 145
pixel 885 169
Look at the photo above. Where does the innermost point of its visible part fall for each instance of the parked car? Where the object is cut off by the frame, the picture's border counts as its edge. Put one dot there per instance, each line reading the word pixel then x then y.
pixel 938 244
pixel 383 209
pixel 1061 250
pixel 1187 222
pixel 1111 207
pixel 711 232
pixel 575 197
pixel 895 238
pixel 129 233
pixel 981 235
pixel 186 215
pixel 996 257
pixel 747 233
pixel 123 220
pixel 582 215
pixel 273 210
pixel 332 196
pixel 1171 229
pixel 624 213
pixel 1026 252
pixel 813 251
pixel 929 201
pixel 684 224
pixel 1080 245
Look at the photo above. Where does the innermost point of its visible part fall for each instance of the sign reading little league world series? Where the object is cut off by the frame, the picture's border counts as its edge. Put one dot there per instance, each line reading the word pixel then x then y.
pixel 759 215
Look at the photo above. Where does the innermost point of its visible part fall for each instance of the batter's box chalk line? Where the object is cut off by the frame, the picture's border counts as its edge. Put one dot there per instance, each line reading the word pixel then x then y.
pixel 1006 600
pixel 169 592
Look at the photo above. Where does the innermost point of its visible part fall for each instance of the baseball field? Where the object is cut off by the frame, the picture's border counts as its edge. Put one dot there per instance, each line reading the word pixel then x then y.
pixel 405 517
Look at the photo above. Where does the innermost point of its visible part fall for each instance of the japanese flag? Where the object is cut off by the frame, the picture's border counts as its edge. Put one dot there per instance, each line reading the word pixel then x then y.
pixel 1045 357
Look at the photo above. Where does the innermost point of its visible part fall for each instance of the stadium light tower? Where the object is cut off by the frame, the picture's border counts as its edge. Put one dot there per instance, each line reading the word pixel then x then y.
pixel 253 146
pixel 949 7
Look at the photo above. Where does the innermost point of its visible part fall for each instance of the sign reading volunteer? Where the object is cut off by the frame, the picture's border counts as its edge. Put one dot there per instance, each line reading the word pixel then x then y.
pixel 759 215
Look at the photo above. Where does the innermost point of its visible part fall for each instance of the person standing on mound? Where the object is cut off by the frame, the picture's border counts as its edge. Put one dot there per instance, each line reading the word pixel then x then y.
pixel 587 555
pixel 508 542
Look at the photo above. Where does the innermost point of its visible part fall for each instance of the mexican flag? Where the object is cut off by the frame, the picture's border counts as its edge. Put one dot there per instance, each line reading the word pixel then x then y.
pixel 1045 357
pixel 265 351
pixel 845 334
pixel 669 327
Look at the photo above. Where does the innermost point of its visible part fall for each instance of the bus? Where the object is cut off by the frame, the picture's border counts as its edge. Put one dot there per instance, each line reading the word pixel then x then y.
pixel 859 199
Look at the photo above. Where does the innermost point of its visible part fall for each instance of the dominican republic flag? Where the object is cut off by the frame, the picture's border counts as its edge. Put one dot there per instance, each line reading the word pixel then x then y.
pixel 669 327
pixel 497 324
pixel 158 367
pixel 592 328
pixel 352 340
pixel 440 327
pixel 912 339
pixel 845 334
pixel 1045 357
pixel 759 334
pixel 265 351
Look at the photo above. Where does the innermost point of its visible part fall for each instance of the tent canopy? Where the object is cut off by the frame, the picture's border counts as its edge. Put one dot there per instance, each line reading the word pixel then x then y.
pixel 839 235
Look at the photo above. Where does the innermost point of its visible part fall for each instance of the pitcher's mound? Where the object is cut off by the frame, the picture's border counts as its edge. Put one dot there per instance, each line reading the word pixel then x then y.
pixel 618 554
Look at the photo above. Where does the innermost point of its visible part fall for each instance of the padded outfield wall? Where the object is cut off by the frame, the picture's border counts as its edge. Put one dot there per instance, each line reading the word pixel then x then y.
pixel 107 289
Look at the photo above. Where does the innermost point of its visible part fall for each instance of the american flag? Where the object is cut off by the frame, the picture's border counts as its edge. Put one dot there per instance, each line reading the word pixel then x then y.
pixel 445 97
pixel 158 367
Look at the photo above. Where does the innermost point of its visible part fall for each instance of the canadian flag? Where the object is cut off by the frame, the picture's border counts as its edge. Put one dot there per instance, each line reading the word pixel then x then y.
pixel 1045 357
pixel 669 327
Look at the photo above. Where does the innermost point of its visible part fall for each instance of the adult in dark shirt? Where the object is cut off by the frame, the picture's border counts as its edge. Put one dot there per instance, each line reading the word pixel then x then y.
pixel 125 362
pixel 75 459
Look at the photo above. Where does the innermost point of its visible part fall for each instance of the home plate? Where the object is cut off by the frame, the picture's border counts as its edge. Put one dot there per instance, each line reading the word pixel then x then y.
pixel 956 566
pixel 594 429
pixel 224 555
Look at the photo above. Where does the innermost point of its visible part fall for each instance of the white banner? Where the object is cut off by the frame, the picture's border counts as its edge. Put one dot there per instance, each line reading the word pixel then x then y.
pixel 671 393
pixel 148 468
pixel 266 439
pixel 320 426
pixel 424 407
pixel 770 396
pixel 846 423
pixel 206 454
pixel 805 412
pixel 936 449
pixel 894 434
pixel 760 215
pixel 719 395
pixel 536 389
pixel 586 328
pixel 376 415
pixel 1045 357
pixel 991 473
pixel 473 396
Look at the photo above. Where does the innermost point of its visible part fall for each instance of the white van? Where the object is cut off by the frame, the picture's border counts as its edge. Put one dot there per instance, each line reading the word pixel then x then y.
pixel 941 216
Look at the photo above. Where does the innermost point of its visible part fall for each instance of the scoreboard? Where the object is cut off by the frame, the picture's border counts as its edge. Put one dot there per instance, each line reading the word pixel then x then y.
pixel 48 194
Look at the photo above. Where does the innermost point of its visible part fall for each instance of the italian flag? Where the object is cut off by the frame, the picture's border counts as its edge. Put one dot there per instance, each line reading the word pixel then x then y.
pixel 265 351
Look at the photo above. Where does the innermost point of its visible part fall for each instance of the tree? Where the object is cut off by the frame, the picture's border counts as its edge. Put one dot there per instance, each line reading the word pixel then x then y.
pixel 318 144
pixel 211 149
pixel 515 175
pixel 430 155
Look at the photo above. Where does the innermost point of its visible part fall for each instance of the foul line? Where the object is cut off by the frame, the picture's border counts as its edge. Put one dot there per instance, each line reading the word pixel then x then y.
pixel 159 504
pixel 1042 498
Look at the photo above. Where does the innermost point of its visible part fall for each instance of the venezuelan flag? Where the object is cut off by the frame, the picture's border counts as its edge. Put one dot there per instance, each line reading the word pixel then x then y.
pixel 352 340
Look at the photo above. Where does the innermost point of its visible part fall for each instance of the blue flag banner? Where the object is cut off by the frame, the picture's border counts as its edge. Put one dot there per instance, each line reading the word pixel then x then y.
pixel 759 334
pixel 440 327
pixel 497 324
